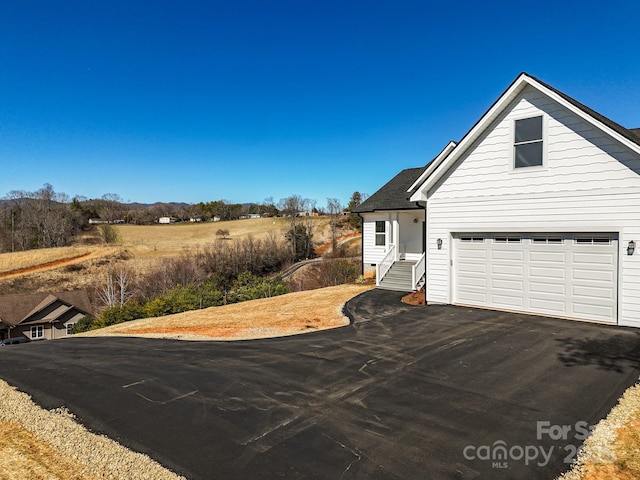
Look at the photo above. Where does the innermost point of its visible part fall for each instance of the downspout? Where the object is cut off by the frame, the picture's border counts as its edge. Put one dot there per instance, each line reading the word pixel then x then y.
pixel 361 243
pixel 425 244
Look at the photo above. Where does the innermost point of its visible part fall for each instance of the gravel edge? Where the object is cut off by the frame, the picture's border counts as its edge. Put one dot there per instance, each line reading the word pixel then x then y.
pixel 97 454
pixel 599 446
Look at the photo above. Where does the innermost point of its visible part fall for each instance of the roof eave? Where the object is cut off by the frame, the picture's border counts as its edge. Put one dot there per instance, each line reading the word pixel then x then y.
pixel 522 81
pixel 432 166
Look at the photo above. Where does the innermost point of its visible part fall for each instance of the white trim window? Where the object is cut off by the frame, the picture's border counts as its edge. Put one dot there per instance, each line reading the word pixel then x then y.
pixel 528 143
pixel 70 328
pixel 37 331
pixel 381 233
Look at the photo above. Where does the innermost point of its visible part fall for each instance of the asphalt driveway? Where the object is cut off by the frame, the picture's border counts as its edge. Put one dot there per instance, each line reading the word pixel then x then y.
pixel 404 392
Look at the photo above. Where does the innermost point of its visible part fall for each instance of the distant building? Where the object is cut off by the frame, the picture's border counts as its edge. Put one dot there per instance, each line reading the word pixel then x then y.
pixel 166 220
pixel 42 316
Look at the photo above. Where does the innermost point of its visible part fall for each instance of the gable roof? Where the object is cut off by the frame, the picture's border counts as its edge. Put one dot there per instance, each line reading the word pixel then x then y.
pixel 18 308
pixel 393 195
pixel 630 138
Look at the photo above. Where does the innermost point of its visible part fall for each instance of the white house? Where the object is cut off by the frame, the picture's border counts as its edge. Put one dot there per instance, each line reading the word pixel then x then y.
pixel 536 209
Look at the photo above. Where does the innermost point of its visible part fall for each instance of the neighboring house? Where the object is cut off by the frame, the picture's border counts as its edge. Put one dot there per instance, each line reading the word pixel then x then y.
pixel 41 316
pixel 167 220
pixel 535 210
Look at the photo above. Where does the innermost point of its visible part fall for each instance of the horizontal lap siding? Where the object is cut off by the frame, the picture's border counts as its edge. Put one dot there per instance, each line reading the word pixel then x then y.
pixel 589 182
pixel 372 253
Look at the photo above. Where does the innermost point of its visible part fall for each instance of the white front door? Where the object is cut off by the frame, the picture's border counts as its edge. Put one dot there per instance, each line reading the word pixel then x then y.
pixel 565 275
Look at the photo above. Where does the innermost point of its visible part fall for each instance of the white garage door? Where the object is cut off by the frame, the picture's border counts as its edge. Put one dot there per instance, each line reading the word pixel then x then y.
pixel 566 275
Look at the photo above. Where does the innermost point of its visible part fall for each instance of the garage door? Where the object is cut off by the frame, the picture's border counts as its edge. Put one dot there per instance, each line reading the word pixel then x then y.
pixel 566 275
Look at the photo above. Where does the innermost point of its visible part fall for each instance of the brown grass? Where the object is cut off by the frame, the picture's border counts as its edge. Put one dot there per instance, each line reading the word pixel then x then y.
pixel 289 314
pixel 31 260
pixel 24 456
pixel 172 239
pixel 141 248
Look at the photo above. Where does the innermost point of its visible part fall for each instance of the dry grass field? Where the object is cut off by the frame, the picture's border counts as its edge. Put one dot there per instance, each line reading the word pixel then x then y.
pixel 140 247
pixel 172 239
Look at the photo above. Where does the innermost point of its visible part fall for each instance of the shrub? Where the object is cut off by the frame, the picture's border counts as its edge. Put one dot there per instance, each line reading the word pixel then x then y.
pixel 109 233
pixel 251 287
pixel 131 310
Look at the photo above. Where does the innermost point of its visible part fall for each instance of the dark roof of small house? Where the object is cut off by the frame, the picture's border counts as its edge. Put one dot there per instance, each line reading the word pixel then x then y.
pixel 635 131
pixel 18 307
pixel 393 195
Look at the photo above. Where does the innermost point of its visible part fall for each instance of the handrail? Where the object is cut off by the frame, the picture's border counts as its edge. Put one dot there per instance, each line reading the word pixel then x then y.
pixel 418 270
pixel 383 267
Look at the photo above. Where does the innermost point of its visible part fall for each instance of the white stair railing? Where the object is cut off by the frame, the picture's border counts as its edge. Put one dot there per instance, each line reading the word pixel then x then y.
pixel 383 267
pixel 418 271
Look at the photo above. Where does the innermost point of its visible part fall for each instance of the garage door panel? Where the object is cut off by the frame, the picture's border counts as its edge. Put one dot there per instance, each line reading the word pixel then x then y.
pixel 592 292
pixel 548 306
pixel 594 259
pixel 504 269
pixel 592 312
pixel 561 276
pixel 548 272
pixel 473 254
pixel 507 301
pixel 547 257
pixel 504 284
pixel 473 298
pixel 508 255
pixel 547 288
pixel 601 275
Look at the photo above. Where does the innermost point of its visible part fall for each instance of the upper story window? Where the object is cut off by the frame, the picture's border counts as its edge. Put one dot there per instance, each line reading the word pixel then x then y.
pixel 528 142
pixel 381 232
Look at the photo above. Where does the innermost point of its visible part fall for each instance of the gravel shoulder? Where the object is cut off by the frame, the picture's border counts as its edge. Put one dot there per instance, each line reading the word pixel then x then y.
pixel 40 444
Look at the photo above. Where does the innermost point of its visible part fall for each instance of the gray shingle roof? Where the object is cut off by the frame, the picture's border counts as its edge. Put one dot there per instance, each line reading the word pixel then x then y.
pixel 16 308
pixel 393 195
pixel 630 134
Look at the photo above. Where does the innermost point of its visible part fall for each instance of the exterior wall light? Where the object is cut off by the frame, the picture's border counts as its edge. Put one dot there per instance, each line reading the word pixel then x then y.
pixel 415 220
pixel 439 243
pixel 631 247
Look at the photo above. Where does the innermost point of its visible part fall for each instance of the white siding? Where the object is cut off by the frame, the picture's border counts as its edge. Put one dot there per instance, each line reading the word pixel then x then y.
pixel 589 182
pixel 372 253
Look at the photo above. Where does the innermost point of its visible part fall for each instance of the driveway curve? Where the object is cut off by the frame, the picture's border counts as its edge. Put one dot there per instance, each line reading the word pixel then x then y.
pixel 403 392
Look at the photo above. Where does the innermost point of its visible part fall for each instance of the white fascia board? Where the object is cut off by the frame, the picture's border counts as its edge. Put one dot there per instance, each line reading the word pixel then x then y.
pixel 516 87
pixel 432 166
pixel 584 115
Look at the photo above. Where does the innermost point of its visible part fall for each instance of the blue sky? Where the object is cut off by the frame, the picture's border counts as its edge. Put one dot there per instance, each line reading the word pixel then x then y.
pixel 243 100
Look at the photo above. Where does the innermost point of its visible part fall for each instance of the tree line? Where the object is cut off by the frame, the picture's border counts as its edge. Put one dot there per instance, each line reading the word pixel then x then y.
pixel 46 218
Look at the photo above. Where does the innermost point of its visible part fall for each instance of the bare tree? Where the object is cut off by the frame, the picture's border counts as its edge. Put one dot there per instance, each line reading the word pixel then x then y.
pixel 291 208
pixel 308 222
pixel 334 208
pixel 117 289
pixel 110 207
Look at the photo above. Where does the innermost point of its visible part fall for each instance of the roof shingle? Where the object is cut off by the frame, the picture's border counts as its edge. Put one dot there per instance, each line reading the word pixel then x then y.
pixel 393 195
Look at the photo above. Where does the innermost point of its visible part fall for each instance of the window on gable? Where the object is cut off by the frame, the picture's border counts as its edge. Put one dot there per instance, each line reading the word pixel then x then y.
pixel 528 142
pixel 381 233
